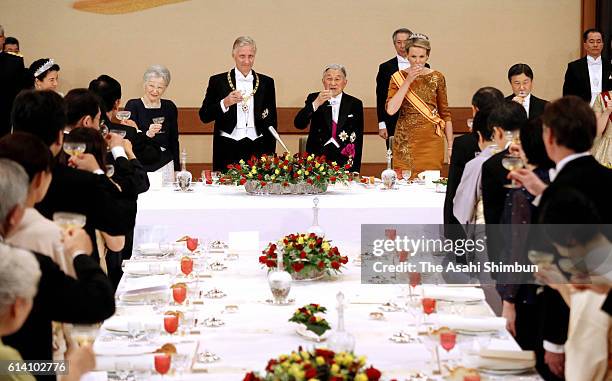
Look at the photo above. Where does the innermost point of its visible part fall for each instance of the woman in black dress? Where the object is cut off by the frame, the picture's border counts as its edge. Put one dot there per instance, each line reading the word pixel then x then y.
pixel 158 118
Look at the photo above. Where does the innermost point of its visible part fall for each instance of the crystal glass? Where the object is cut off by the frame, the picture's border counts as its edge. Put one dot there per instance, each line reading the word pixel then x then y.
pixel 192 244
pixel 171 323
pixel 512 163
pixel 406 173
pixel 186 265
pixel 279 281
pixel 69 220
pixel 448 339
pixel 74 148
pixel 121 133
pixel 103 128
pixel 162 363
pixel 110 170
pixel 388 176
pixel 123 115
pixel 429 307
pixel 184 177
pixel 134 328
pixel 160 120
pixel 179 294
pixel 315 227
pixel 83 334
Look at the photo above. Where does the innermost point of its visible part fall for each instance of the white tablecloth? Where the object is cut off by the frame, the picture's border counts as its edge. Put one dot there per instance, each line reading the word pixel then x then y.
pixel 213 211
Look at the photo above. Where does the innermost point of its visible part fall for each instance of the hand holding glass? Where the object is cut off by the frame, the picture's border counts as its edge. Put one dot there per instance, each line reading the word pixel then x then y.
pixel 74 148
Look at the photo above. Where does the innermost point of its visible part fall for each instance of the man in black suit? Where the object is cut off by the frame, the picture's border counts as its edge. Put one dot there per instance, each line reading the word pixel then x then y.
pixel 568 133
pixel 335 119
pixel 591 74
pixel 243 105
pixel 42 113
pixel 86 300
pixel 465 148
pixel 11 82
pixel 520 77
pixel 386 122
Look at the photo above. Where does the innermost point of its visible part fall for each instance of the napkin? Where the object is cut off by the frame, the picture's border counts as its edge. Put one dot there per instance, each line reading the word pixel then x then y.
pixel 147 284
pixel 122 348
pixel 120 323
pixel 152 268
pixel 148 248
pixel 474 324
pixel 455 294
pixel 505 360
pixel 137 362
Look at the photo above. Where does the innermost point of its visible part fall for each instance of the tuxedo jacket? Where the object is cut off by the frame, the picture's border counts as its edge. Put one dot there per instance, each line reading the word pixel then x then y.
pixel 577 81
pixel 385 71
pixel 350 120
pixel 536 106
pixel 88 299
pixel 264 110
pixel 11 82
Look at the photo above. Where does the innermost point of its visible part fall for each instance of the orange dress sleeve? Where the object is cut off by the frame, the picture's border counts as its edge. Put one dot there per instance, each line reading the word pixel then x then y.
pixel 442 99
pixel 391 92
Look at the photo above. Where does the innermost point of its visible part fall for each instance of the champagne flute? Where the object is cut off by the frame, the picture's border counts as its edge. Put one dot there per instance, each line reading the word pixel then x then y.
pixel 123 115
pixel 68 220
pixel 83 334
pixel 74 148
pixel 110 170
pixel 121 133
pixel 512 163
pixel 160 120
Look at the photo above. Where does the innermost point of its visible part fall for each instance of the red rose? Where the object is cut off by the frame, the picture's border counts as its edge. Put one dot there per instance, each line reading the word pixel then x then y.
pixel 209 182
pixel 250 377
pixel 313 319
pixel 373 374
pixel 309 169
pixel 304 155
pixel 285 241
pixel 270 263
pixel 335 265
pixel 297 267
pixel 295 175
pixel 310 373
pixel 346 166
pixel 319 241
pixel 303 310
pixel 263 183
pixel 238 166
pixel 263 259
pixel 318 177
pixel 285 184
pixel 259 176
pixel 242 181
pixel 336 378
pixel 344 260
pixel 325 353
pixel 311 245
pixel 230 166
pixel 271 364
pixel 302 254
pixel 321 265
pixel 309 181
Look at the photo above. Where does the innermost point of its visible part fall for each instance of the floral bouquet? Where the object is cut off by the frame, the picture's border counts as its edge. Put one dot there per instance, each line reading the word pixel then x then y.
pixel 306 316
pixel 285 170
pixel 304 254
pixel 318 364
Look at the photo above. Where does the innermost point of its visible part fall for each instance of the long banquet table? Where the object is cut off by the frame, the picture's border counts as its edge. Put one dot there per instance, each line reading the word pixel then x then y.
pixel 260 331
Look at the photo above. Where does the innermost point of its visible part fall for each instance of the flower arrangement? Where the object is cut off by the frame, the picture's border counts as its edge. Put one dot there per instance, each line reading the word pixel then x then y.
pixel 441 181
pixel 318 364
pixel 304 254
pixel 285 170
pixel 307 316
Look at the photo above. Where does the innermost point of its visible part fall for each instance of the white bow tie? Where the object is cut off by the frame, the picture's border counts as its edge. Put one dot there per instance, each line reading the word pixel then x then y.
pixel 247 79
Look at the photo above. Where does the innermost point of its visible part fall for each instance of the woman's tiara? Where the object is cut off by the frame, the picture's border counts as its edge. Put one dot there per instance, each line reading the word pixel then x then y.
pixel 46 66
pixel 419 36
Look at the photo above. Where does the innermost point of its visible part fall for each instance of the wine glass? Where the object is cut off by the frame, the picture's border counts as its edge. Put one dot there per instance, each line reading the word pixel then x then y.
pixel 429 307
pixel 186 265
pixel 192 244
pixel 103 128
pixel 179 293
pixel 83 334
pixel 110 170
pixel 414 278
pixel 123 115
pixel 74 148
pixel 69 220
pixel 134 328
pixel 512 163
pixel 121 133
pixel 406 173
pixel 162 363
pixel 448 339
pixel 171 323
pixel 159 120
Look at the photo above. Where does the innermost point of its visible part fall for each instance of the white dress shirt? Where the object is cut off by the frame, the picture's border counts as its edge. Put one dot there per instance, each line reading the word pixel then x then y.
pixel 402 64
pixel 595 70
pixel 334 103
pixel 526 101
pixel 245 122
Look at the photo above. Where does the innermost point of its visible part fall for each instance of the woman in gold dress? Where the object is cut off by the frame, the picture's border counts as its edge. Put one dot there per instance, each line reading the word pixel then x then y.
pixel 419 94
pixel 602 146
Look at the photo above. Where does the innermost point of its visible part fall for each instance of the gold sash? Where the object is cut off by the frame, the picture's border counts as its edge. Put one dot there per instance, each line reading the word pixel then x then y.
pixel 419 104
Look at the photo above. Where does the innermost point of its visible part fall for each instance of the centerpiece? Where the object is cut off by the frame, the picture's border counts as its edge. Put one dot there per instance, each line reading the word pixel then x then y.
pixel 307 317
pixel 441 184
pixel 286 174
pixel 317 364
pixel 306 256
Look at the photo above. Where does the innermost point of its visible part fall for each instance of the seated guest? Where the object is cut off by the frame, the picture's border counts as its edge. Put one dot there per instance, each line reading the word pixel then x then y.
pixel 44 74
pixel 335 119
pixel 465 149
pixel 35 232
pixel 42 114
pixel 520 77
pixel 12 80
pixel 602 145
pixel 158 118
pixel 86 300
pixel 590 75
pixel 146 149
pixel 82 110
pixel 19 278
pixel 243 105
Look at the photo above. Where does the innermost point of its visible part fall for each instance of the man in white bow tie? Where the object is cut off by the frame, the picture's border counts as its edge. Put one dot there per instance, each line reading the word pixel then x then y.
pixel 242 103
pixel 589 75
pixel 386 122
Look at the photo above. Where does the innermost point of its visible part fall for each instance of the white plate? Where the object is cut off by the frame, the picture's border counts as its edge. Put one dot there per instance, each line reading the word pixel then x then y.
pixel 503 372
pixel 469 332
pixel 302 331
